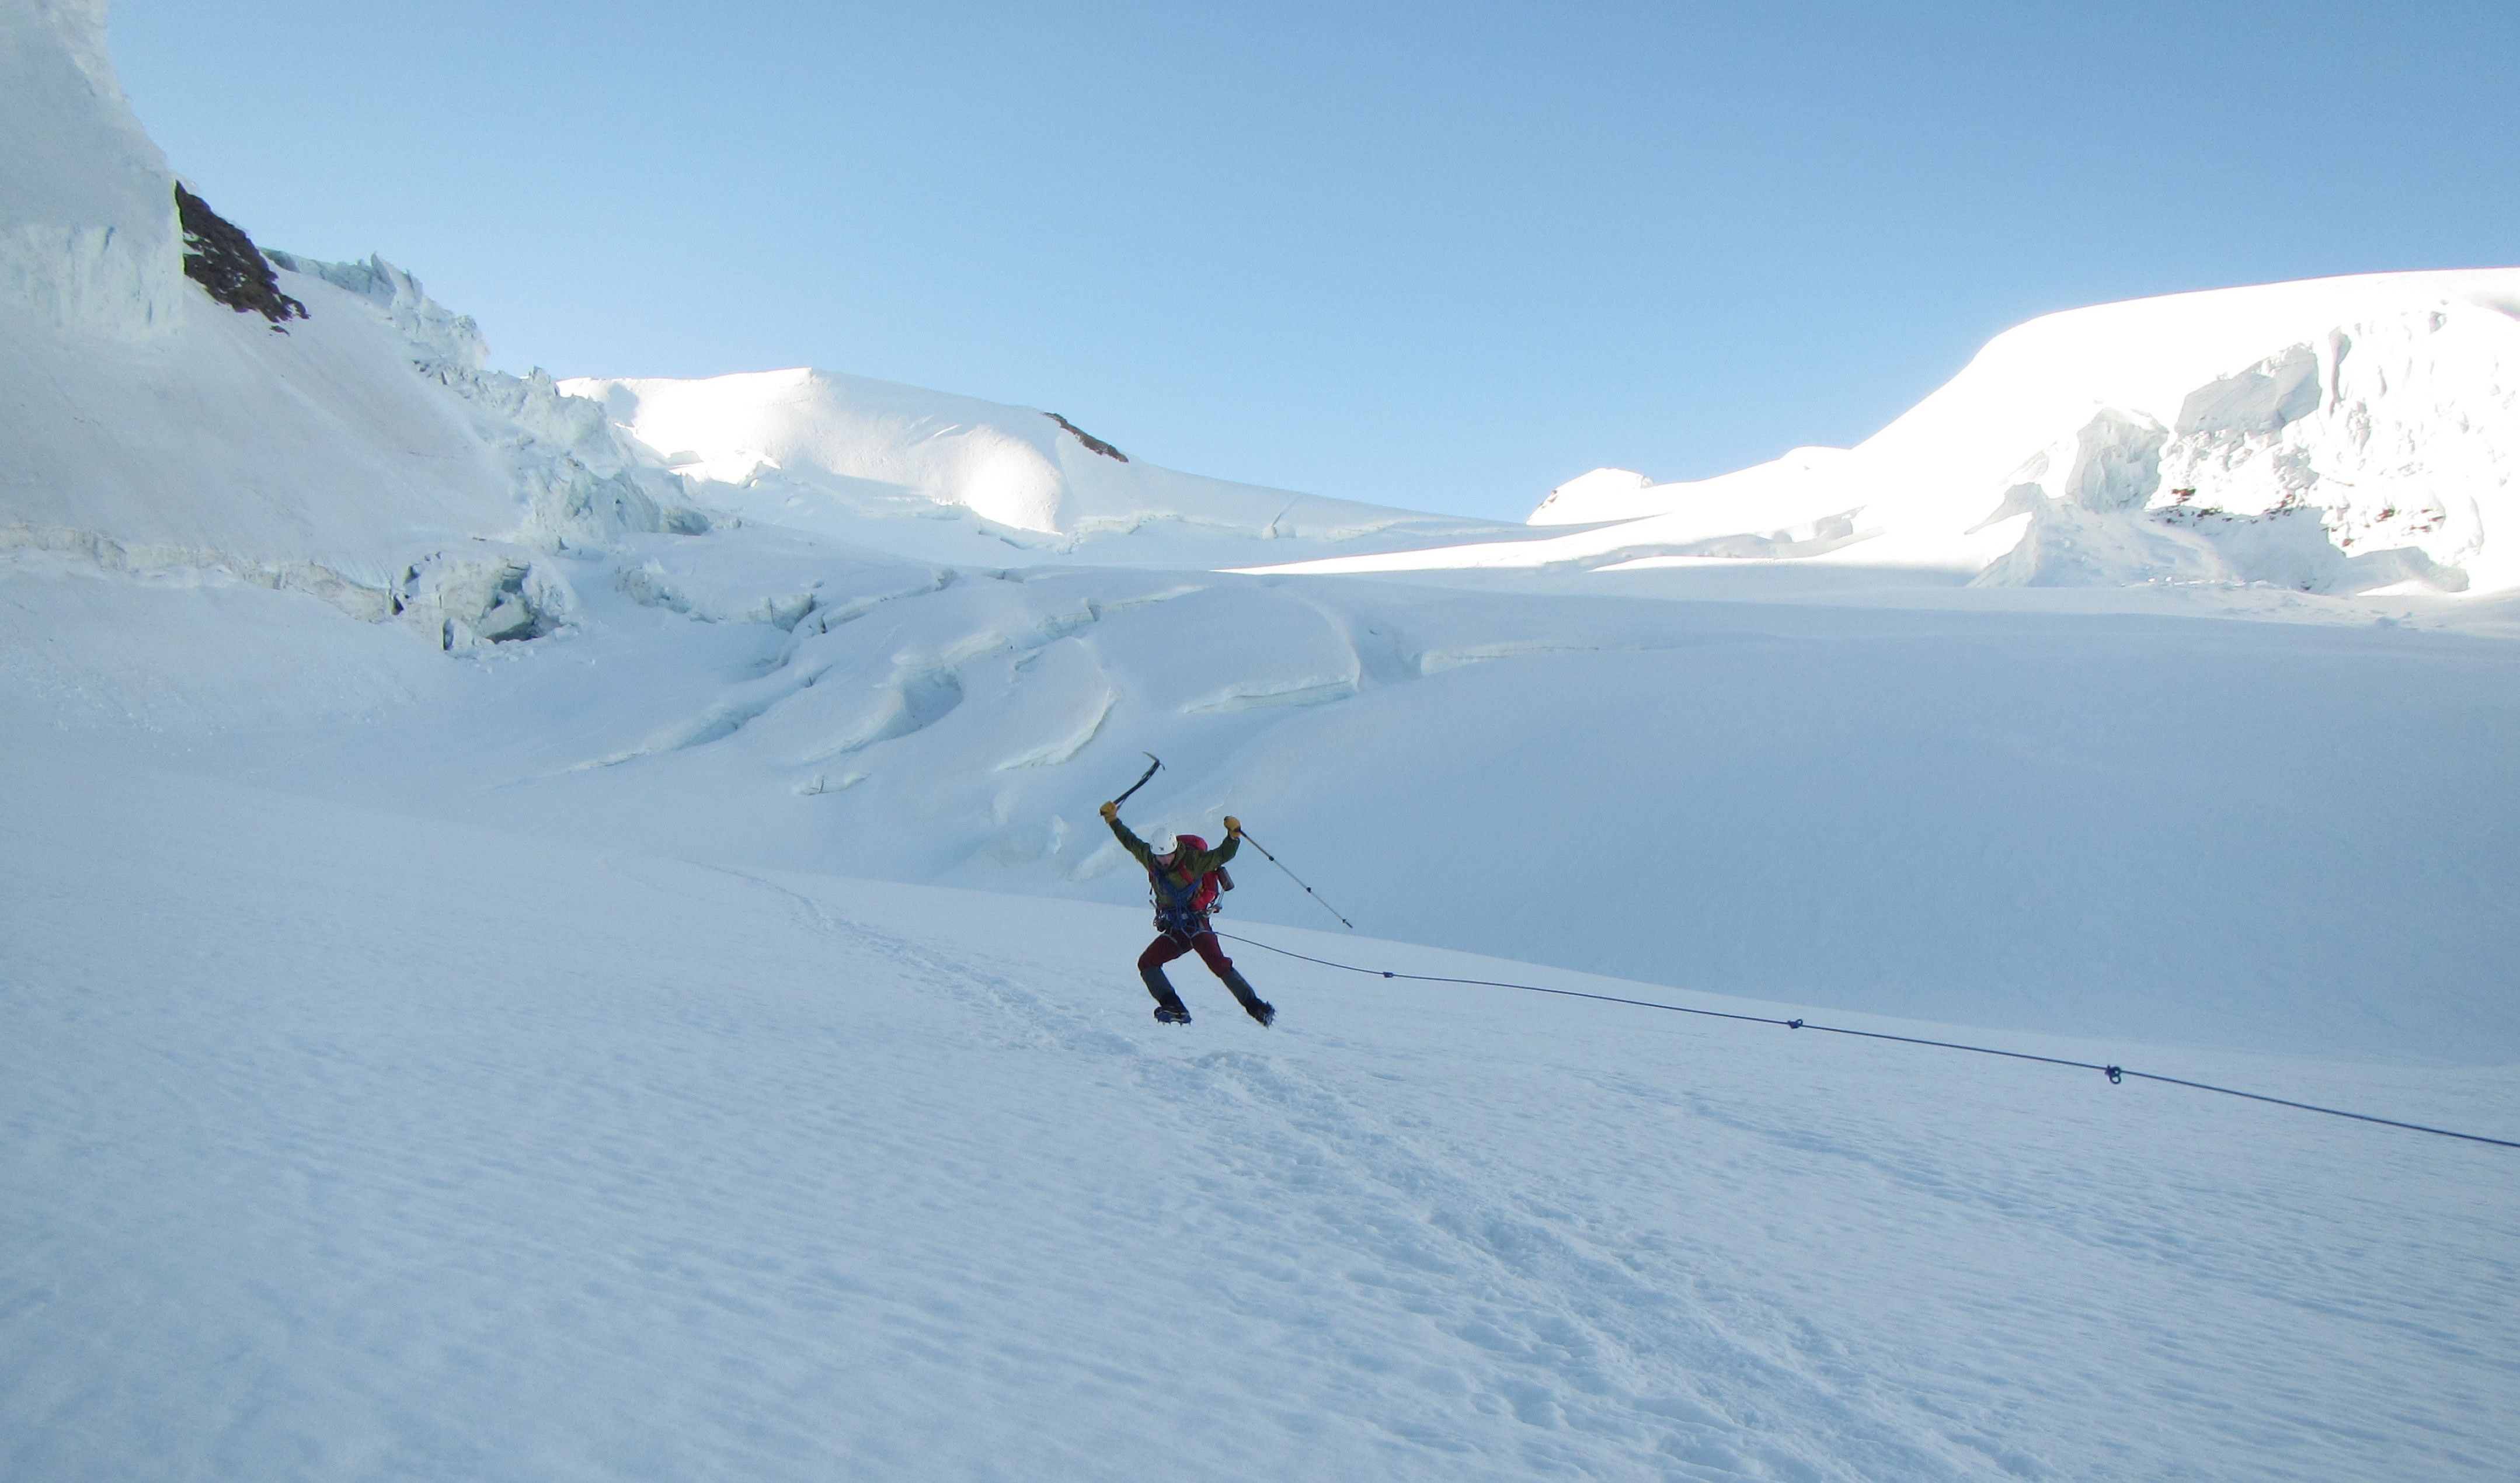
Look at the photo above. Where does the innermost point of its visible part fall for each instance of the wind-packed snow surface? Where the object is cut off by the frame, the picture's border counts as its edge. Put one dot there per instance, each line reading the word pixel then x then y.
pixel 554 935
pixel 353 1145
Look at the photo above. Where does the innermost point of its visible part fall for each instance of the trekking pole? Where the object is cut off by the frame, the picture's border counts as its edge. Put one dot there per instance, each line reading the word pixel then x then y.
pixel 1298 879
pixel 1155 762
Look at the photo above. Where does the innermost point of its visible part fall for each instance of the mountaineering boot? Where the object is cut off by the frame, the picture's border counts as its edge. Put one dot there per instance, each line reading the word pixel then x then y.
pixel 1168 1005
pixel 1252 1003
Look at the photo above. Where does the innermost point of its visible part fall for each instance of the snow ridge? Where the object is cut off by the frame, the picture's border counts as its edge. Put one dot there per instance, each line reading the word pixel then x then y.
pixel 829 453
pixel 2337 436
pixel 87 215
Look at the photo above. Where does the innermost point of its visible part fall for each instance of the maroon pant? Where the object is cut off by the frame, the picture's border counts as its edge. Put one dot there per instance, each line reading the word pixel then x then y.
pixel 1168 947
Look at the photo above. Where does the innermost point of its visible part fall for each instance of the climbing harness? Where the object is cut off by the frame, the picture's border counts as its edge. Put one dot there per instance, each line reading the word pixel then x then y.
pixel 1182 907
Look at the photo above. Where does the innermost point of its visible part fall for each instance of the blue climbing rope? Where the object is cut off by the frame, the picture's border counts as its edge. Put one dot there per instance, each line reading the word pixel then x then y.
pixel 2115 1073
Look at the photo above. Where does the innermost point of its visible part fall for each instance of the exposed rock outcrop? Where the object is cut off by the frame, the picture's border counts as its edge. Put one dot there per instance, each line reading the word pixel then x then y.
pixel 1092 443
pixel 228 266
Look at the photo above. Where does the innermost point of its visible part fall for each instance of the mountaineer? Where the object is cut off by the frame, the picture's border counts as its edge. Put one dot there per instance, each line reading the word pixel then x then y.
pixel 1184 881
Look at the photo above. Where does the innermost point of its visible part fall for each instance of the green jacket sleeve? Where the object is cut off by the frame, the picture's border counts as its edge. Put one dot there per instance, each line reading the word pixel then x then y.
pixel 1132 843
pixel 1203 861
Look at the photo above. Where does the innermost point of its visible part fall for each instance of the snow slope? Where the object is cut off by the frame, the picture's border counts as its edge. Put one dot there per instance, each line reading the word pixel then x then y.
pixel 849 457
pixel 152 428
pixel 350 1145
pixel 568 936
pixel 87 219
pixel 2155 825
pixel 2336 435
pixel 152 431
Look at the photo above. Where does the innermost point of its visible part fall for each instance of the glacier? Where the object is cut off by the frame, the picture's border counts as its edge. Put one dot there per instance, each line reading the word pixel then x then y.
pixel 555 927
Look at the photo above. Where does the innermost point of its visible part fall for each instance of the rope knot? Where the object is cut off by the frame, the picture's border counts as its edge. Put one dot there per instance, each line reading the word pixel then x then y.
pixel 2116 1075
pixel 1793 1025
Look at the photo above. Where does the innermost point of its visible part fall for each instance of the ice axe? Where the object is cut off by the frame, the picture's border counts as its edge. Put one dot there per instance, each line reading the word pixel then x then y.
pixel 1154 762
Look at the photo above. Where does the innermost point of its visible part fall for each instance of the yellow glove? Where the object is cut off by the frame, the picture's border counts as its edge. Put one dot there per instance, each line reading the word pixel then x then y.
pixel 1233 826
pixel 1110 811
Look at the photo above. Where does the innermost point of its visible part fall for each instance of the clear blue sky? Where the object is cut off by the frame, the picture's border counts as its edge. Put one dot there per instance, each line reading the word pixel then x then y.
pixel 1440 256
